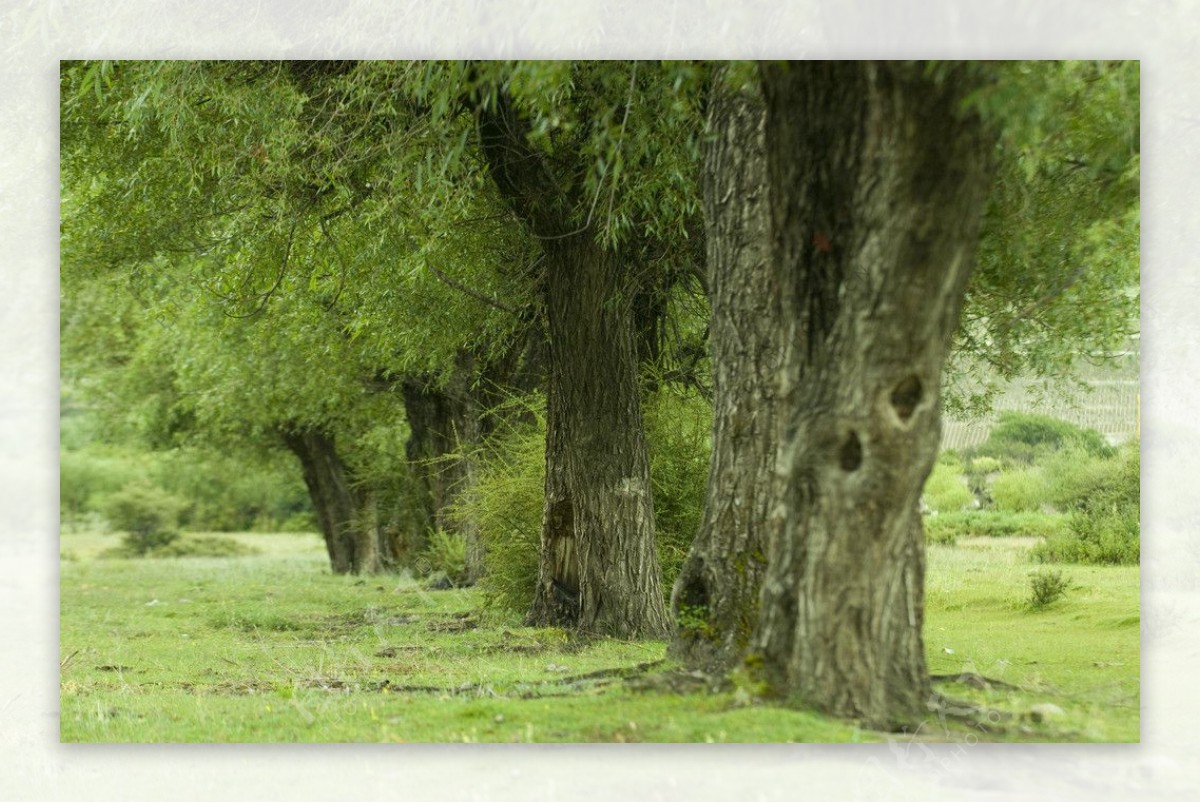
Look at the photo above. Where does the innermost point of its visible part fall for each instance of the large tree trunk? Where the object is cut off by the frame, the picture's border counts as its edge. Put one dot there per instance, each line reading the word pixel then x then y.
pixel 715 599
pixel 599 570
pixel 350 531
pixel 877 184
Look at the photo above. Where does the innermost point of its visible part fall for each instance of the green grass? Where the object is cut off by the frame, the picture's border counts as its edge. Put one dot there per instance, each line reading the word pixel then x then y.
pixel 272 648
pixel 1080 653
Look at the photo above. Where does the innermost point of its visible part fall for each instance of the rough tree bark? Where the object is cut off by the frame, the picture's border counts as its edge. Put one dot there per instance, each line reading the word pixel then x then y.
pixel 345 515
pixel 442 421
pixel 715 599
pixel 876 184
pixel 599 570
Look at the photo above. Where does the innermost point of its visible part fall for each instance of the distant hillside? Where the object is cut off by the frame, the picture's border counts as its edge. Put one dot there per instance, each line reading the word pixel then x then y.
pixel 1109 407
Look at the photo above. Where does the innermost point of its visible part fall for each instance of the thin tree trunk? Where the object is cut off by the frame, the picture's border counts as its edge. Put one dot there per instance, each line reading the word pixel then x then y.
pixel 715 599
pixel 350 540
pixel 877 185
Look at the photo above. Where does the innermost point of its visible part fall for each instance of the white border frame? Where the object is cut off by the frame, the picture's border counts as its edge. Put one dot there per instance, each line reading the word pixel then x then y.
pixel 35 34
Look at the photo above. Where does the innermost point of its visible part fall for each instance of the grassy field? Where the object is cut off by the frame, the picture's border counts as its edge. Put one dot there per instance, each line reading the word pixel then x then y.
pixel 272 648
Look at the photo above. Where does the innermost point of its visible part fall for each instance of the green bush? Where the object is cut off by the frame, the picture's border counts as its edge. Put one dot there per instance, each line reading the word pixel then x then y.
pixel 445 554
pixel 87 476
pixel 148 515
pixel 508 496
pixel 505 504
pixel 946 489
pixel 1104 525
pixel 983 466
pixel 1024 438
pixel 1075 476
pixel 1046 587
pixel 225 492
pixel 202 546
pixel 1021 490
pixel 947 528
pixel 232 492
pixel 949 457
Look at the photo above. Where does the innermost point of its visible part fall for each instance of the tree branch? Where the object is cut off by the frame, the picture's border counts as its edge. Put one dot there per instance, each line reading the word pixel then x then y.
pixel 462 288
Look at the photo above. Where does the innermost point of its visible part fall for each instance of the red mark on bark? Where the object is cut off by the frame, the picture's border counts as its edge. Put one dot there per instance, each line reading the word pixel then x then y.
pixel 822 242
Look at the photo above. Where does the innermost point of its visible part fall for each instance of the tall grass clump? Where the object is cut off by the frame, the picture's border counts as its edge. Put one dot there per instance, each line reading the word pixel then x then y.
pixel 507 498
pixel 505 504
pixel 445 555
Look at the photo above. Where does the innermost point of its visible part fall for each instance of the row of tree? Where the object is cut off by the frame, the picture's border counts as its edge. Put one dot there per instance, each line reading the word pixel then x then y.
pixel 360 261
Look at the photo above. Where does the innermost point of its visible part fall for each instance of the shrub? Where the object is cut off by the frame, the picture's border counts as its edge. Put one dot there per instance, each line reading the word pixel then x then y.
pixel 1104 526
pixel 86 476
pixel 239 491
pixel 983 466
pixel 202 546
pixel 937 532
pixel 1075 477
pixel 148 515
pixel 946 489
pixel 1024 438
pixel 1046 587
pixel 949 457
pixel 231 492
pixel 505 503
pixel 947 528
pixel 1021 490
pixel 445 554
pixel 981 472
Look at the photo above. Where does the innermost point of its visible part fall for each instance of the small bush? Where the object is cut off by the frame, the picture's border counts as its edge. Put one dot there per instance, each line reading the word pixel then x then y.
pixel 1023 490
pixel 1046 587
pixel 981 472
pixel 148 515
pixel 946 489
pixel 445 554
pixel 937 533
pixel 232 492
pixel 1076 477
pixel 203 546
pixel 1024 438
pixel 225 491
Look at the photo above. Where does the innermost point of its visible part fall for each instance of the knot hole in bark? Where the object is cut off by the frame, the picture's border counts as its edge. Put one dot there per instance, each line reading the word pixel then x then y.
pixel 850 454
pixel 906 395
